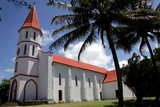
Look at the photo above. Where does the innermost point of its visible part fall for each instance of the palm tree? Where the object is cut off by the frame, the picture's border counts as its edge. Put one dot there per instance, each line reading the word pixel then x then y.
pixel 91 20
pixel 142 25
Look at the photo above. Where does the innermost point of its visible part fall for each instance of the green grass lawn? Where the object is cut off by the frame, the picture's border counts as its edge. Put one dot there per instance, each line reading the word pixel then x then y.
pixel 107 103
pixel 83 104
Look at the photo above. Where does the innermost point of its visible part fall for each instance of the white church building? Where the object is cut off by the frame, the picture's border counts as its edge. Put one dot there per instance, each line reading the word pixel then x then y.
pixel 42 75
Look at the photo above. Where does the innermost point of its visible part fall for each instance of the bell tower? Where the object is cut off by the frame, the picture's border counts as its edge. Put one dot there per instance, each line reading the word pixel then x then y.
pixel 27 60
pixel 29 44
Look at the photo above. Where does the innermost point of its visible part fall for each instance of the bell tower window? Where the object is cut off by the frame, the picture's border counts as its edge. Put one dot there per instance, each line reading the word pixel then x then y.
pixel 16 67
pixel 26 34
pixel 33 48
pixel 25 48
pixel 34 36
pixel 18 51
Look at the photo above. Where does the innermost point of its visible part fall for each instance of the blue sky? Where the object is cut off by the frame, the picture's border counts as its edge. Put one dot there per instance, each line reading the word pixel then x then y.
pixel 12 20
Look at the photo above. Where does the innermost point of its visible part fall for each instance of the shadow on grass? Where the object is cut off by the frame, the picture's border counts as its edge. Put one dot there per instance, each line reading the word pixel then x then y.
pixel 129 103
pixel 132 103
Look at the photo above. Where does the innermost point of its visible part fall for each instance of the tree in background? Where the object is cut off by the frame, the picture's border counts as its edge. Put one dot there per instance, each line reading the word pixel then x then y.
pixel 143 26
pixel 4 90
pixel 138 76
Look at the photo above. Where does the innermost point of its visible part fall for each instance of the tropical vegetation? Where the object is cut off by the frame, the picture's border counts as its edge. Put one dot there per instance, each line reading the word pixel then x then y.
pixel 4 90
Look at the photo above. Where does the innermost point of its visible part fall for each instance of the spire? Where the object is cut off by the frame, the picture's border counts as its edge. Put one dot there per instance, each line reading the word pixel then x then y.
pixel 32 20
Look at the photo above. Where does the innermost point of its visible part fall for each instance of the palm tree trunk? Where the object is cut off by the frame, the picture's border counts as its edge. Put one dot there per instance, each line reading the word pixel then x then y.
pixel 155 70
pixel 118 71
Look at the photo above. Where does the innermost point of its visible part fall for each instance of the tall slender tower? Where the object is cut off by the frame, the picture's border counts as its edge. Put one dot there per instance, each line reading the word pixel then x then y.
pixel 24 83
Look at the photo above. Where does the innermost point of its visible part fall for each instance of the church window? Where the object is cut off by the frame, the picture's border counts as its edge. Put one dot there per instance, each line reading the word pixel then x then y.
pixel 33 48
pixel 25 48
pixel 34 36
pixel 18 51
pixel 59 79
pixel 26 34
pixel 15 70
pixel 89 82
pixel 76 81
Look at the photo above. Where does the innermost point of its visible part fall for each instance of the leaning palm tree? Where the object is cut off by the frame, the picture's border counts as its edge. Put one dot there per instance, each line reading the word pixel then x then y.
pixel 142 25
pixel 91 20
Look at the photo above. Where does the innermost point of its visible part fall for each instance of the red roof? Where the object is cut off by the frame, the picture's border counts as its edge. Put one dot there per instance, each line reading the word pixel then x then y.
pixel 32 20
pixel 78 64
pixel 111 76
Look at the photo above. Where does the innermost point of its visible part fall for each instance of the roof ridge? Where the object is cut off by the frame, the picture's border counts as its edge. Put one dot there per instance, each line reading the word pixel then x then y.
pixel 79 64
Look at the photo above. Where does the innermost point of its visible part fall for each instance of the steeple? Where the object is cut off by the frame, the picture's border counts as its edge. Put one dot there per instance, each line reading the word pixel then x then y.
pixel 32 20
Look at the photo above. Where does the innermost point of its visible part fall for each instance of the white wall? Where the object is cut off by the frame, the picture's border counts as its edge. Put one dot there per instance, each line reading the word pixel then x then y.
pixel 109 90
pixel 82 91
pixel 45 76
pixel 27 66
pixel 127 93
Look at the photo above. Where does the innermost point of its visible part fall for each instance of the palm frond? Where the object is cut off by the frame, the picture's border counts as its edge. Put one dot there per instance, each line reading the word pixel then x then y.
pixel 64 38
pixel 142 44
pixel 63 28
pixel 157 36
pixel 63 18
pixel 158 8
pixel 78 34
pixel 102 38
pixel 89 40
pixel 60 4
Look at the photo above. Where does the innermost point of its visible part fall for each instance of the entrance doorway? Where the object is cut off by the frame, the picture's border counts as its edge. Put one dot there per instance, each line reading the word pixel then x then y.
pixel 13 91
pixel 60 95
pixel 100 95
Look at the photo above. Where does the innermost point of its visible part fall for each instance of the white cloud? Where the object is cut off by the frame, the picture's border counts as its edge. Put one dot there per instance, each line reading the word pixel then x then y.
pixel 123 62
pixel 46 38
pixel 94 54
pixel 13 59
pixel 9 70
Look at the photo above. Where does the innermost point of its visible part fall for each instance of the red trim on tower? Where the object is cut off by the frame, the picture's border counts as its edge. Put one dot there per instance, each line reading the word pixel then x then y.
pixel 32 20
pixel 24 75
pixel 78 64
pixel 31 42
pixel 14 82
pixel 25 89
pixel 26 57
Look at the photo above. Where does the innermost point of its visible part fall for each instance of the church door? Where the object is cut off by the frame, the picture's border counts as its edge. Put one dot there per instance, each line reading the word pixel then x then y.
pixel 100 95
pixel 13 91
pixel 30 90
pixel 60 95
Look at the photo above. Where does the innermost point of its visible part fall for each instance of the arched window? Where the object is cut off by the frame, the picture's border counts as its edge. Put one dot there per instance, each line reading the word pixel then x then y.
pixel 59 79
pixel 76 81
pixel 15 70
pixel 33 48
pixel 25 48
pixel 26 34
pixel 18 51
pixel 34 36
pixel 89 82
